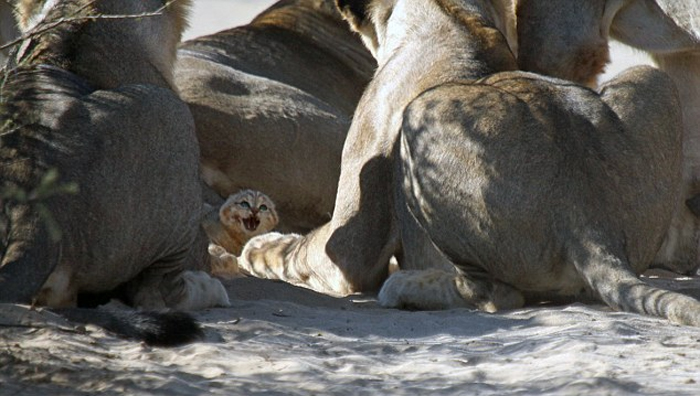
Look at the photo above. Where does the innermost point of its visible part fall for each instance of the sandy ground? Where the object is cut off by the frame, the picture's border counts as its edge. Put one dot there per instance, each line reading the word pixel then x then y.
pixel 276 339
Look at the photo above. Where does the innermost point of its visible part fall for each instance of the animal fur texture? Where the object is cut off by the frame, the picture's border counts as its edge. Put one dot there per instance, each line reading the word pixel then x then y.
pixel 569 39
pixel 242 216
pixel 527 186
pixel 92 101
pixel 273 101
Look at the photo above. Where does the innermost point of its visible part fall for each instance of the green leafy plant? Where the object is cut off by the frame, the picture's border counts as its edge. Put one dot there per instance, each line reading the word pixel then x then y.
pixel 49 186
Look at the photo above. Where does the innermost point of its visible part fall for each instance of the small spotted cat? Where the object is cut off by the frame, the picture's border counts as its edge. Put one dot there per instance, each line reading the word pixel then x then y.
pixel 245 214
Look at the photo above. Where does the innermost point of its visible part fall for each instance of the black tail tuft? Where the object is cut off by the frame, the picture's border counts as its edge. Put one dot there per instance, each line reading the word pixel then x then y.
pixel 157 328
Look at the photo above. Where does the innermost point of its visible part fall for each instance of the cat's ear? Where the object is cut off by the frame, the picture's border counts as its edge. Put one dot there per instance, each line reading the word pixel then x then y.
pixel 225 211
pixel 356 12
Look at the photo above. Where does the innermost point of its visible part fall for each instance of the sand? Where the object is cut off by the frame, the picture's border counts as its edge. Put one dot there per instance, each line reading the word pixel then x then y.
pixel 276 339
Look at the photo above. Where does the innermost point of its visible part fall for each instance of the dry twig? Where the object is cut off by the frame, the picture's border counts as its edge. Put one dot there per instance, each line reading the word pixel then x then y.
pixel 43 28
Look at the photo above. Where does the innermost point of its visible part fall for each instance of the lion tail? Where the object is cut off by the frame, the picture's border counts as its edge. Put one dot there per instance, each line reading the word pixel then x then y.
pixel 619 287
pixel 156 328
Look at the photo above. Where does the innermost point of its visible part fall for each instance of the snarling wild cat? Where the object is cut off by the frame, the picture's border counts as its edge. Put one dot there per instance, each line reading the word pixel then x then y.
pixel 244 215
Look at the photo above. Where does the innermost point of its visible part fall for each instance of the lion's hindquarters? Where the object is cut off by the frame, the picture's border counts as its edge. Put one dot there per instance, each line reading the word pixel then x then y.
pixel 469 166
pixel 139 202
pixel 447 185
pixel 142 188
pixel 513 184
pixel 647 104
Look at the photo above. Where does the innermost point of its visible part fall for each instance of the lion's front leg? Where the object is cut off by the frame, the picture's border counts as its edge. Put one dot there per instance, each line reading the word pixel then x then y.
pixel 276 256
pixel 350 253
pixel 304 261
pixel 266 256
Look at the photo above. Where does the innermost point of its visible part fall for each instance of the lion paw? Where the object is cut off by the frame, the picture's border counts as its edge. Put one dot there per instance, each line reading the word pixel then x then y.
pixel 264 255
pixel 437 289
pixel 201 291
pixel 421 290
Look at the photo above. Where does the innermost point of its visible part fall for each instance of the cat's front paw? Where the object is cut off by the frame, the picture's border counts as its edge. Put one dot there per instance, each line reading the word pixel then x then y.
pixel 224 265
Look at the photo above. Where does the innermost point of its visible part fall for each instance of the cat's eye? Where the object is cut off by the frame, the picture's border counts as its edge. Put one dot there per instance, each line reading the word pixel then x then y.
pixel 244 204
pixel 263 208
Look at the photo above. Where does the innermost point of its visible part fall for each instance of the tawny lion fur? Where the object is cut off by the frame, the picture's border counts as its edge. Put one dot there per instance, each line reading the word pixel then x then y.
pixel 273 101
pixel 569 39
pixel 525 187
pixel 93 100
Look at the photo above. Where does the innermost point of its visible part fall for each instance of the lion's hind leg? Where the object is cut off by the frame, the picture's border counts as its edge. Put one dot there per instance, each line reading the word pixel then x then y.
pixel 434 289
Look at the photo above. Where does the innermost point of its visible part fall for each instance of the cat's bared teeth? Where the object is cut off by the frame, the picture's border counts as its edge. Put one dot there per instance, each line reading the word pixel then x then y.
pixel 251 223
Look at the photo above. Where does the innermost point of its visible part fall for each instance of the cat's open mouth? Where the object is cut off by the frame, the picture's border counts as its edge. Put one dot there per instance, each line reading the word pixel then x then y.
pixel 251 223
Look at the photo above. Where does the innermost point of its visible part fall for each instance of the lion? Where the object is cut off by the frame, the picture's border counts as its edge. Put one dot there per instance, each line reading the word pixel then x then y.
pixel 272 102
pixel 569 39
pixel 527 185
pixel 92 101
